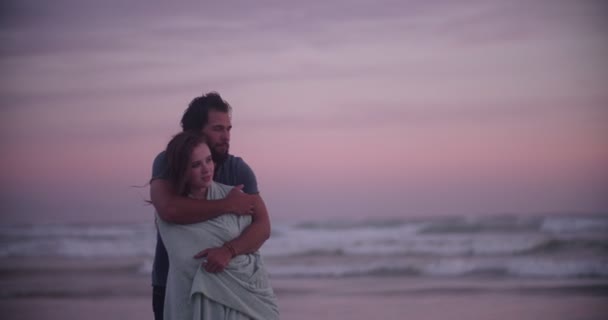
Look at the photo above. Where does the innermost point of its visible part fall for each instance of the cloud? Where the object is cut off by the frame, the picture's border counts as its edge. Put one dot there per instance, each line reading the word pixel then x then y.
pixel 84 49
pixel 112 79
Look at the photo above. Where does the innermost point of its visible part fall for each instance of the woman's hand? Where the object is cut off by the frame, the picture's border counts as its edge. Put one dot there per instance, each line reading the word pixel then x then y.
pixel 216 259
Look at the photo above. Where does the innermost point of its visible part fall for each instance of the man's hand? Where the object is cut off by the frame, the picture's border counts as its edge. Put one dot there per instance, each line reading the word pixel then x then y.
pixel 216 259
pixel 240 202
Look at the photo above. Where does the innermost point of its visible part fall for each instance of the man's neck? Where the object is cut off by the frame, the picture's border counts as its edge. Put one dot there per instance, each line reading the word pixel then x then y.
pixel 219 159
pixel 219 163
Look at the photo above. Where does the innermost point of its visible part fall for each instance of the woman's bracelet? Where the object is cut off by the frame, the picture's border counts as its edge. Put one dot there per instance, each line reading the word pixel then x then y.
pixel 230 248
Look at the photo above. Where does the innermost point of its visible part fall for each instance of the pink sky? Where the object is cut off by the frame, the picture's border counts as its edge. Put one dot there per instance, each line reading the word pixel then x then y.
pixel 343 109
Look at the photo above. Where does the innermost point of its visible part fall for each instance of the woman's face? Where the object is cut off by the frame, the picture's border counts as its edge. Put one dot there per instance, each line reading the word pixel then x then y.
pixel 200 171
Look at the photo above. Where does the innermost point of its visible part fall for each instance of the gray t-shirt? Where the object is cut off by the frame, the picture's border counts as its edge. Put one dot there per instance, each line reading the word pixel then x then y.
pixel 233 171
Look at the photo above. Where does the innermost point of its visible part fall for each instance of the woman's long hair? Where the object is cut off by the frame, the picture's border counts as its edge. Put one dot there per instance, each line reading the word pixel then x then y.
pixel 179 150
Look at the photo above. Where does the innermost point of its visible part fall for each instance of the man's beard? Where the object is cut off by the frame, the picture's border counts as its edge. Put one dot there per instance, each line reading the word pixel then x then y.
pixel 219 156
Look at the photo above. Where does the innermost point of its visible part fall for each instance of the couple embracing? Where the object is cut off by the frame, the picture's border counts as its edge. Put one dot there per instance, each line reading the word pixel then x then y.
pixel 211 222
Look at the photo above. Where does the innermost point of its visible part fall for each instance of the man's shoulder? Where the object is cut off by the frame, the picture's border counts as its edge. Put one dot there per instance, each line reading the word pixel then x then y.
pixel 159 166
pixel 236 171
pixel 237 162
pixel 232 159
pixel 161 155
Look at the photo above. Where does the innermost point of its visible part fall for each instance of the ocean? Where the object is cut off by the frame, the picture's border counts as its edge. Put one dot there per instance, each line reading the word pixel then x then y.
pixel 553 246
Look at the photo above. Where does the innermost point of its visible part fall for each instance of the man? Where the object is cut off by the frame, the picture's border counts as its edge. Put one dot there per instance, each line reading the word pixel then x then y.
pixel 210 115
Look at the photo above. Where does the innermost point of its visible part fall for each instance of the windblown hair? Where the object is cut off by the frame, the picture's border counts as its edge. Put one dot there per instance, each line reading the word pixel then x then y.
pixel 178 152
pixel 197 114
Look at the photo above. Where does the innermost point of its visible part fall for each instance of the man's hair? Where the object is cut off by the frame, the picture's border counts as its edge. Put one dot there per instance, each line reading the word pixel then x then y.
pixel 197 114
pixel 178 151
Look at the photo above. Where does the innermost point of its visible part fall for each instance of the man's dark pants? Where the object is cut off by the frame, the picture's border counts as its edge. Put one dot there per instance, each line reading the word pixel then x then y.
pixel 158 301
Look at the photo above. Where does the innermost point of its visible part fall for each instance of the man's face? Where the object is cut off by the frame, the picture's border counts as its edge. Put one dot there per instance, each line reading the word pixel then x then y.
pixel 217 132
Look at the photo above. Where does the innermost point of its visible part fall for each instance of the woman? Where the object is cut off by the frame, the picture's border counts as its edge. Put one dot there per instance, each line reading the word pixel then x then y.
pixel 242 290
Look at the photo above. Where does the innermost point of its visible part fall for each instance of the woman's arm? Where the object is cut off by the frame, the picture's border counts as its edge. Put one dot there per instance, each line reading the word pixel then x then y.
pixel 249 241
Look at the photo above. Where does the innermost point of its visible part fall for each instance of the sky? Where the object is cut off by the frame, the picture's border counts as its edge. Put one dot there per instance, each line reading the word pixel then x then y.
pixel 344 109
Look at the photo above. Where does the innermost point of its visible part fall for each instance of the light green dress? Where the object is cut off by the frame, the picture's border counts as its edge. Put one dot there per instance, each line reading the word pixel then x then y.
pixel 241 291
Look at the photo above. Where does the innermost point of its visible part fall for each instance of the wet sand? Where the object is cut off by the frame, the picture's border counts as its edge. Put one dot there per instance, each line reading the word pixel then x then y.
pixel 44 288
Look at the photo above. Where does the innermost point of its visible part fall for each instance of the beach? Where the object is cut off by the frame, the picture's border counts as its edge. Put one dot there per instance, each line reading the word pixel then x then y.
pixel 116 288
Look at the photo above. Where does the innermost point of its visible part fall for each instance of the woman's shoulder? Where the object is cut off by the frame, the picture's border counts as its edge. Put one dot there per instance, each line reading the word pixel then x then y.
pixel 219 190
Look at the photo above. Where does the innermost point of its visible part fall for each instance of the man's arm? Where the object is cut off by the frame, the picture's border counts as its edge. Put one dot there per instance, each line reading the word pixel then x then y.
pixel 174 208
pixel 254 236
